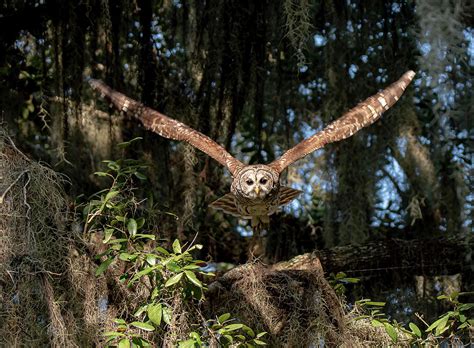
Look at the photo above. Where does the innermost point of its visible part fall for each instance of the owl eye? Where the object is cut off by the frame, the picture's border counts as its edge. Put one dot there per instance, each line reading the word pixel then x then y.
pixel 263 181
pixel 249 182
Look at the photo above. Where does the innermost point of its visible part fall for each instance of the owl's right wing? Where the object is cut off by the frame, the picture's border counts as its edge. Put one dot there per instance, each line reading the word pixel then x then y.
pixel 168 127
pixel 364 114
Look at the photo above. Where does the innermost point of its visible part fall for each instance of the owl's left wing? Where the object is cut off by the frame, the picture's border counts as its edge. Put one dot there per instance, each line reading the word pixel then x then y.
pixel 168 127
pixel 364 114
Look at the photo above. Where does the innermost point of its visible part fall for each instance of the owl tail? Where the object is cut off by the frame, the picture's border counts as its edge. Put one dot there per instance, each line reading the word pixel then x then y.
pixel 259 223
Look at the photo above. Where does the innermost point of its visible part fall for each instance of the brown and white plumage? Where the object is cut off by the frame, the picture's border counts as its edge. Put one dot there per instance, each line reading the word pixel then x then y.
pixel 256 192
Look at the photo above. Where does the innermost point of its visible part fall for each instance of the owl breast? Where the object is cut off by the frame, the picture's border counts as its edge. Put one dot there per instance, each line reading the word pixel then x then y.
pixel 257 207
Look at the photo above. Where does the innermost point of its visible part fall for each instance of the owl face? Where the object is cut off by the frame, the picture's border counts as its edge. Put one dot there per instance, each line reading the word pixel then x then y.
pixel 255 182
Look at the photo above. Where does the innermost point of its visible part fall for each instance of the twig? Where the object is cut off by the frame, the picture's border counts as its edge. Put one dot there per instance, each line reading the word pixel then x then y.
pixel 192 242
pixel 17 150
pixel 24 196
pixel 2 197
pixel 421 318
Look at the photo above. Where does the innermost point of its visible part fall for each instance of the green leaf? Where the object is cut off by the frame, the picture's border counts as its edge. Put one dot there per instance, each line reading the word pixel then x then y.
pixel 140 222
pixel 124 343
pixel 132 227
pixel 108 233
pixel 228 338
pixel 111 195
pixel 196 337
pixel 442 326
pixel 224 317
pixel 162 250
pixel 391 331
pixel 192 277
pixel 140 176
pixel 248 331
pixel 415 329
pixel 155 313
pixel 436 323
pixel 260 343
pixel 261 334
pixel 173 267
pixel 465 307
pixel 145 236
pixel 176 247
pixel 127 143
pixel 151 259
pixel 140 342
pixel 101 173
pixel 187 344
pixel 117 240
pixel 376 323
pixel 143 326
pixel 140 310
pixel 233 327
pixel 127 257
pixel 113 334
pixel 167 315
pixel 174 279
pixel 141 274
pixel 373 303
pixel 120 321
pixel 103 266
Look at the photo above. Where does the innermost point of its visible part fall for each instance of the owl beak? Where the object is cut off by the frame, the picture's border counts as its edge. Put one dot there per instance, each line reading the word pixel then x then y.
pixel 257 190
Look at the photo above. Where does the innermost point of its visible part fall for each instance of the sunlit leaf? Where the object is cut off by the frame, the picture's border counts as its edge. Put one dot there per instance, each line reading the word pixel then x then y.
pixel 124 343
pixel 176 247
pixel 111 195
pixel 415 329
pixel 248 331
pixel 224 317
pixel 108 233
pixel 162 250
pixel 373 303
pixel 103 266
pixel 167 315
pixel 192 277
pixel 155 313
pixel 173 267
pixel 143 326
pixel 132 227
pixel 376 323
pixel 391 331
pixel 174 279
pixel 232 327
pixel 260 343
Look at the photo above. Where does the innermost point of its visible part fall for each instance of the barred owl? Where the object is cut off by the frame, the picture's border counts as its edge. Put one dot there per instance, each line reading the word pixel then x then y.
pixel 256 192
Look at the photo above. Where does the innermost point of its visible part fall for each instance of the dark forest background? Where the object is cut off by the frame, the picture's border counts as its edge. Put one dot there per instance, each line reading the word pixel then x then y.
pixel 258 77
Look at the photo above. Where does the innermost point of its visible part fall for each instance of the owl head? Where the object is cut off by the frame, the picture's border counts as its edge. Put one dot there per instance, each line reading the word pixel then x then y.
pixel 255 182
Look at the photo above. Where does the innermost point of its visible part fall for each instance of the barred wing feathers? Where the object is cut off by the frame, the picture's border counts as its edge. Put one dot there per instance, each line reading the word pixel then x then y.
pixel 364 114
pixel 167 127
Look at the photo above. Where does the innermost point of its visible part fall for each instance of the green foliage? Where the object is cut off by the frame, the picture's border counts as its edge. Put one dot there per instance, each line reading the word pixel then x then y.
pixel 339 281
pixel 454 324
pixel 456 321
pixel 115 213
pixel 227 332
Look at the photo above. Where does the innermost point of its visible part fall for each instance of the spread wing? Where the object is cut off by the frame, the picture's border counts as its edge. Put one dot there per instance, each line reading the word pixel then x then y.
pixel 364 114
pixel 227 204
pixel 287 194
pixel 167 127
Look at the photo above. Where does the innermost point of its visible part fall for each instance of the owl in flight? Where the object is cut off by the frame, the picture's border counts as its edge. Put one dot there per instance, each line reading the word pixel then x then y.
pixel 256 192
